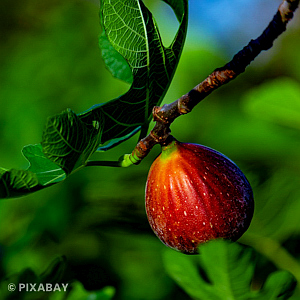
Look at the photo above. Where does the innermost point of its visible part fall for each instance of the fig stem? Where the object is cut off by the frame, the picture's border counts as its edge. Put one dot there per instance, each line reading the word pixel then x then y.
pixel 124 161
pixel 165 115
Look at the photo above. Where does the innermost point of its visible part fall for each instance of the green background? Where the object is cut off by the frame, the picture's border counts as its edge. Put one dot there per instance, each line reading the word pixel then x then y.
pixel 50 61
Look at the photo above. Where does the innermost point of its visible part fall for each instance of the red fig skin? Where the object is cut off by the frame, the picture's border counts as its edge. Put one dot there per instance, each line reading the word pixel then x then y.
pixel 195 194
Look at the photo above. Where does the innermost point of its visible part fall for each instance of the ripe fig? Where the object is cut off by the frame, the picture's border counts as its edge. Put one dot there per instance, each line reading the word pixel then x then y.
pixel 195 194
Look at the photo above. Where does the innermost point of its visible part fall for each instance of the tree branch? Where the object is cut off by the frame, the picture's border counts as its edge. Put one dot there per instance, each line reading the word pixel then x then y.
pixel 165 115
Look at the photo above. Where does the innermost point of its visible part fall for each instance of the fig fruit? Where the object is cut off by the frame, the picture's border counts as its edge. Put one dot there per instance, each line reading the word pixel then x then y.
pixel 195 194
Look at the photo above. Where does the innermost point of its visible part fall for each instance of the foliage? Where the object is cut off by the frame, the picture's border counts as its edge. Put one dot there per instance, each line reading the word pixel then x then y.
pixel 49 61
pixel 52 275
pixel 226 271
pixel 69 139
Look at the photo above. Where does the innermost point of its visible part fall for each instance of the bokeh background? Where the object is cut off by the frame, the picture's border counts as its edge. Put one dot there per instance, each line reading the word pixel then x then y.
pixel 50 61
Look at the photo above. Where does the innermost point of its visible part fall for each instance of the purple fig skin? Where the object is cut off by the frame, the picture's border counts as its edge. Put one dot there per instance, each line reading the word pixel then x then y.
pixel 195 194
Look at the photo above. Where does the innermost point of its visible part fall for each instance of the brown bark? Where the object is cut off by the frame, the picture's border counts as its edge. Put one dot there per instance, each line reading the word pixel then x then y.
pixel 166 114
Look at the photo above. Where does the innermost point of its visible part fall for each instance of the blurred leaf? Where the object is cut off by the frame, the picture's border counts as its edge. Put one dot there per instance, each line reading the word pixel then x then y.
pixel 55 271
pixel 79 293
pixel 52 274
pixel 226 271
pixel 277 101
pixel 277 206
pixel 279 285
pixel 186 274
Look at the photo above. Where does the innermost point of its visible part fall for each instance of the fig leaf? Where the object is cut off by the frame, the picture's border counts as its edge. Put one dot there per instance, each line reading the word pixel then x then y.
pixel 226 272
pixel 133 53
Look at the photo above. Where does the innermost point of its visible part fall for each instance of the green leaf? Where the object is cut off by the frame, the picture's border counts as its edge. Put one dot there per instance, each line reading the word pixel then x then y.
pixel 77 292
pixel 53 274
pixel 276 101
pixel 132 31
pixel 114 142
pixel 41 172
pixel 16 183
pixel 55 271
pixel 229 267
pixel 46 171
pixel 185 272
pixel 279 209
pixel 69 142
pixel 114 61
pixel 279 285
pixel 133 51
pixel 226 271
